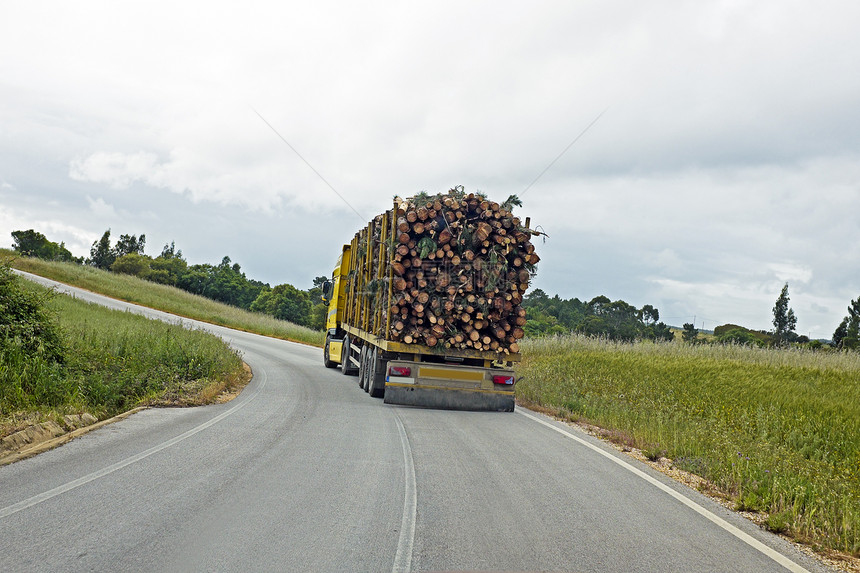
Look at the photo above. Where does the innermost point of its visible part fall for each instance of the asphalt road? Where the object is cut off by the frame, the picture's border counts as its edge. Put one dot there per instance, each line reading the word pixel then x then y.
pixel 305 472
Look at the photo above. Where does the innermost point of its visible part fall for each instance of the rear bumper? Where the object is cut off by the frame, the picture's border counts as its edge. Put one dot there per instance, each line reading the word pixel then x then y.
pixel 449 398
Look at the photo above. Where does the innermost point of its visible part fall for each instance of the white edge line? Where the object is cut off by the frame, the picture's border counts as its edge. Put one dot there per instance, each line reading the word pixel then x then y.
pixel 59 490
pixel 406 540
pixel 745 537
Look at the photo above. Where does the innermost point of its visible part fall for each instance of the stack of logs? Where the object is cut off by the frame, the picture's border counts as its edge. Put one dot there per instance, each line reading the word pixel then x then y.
pixel 460 267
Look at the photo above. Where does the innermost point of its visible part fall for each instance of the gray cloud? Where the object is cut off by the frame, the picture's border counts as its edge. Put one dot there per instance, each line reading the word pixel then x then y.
pixel 726 162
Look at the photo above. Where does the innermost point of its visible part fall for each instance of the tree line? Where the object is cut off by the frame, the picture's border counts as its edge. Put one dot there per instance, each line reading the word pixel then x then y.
pixel 224 282
pixel 618 320
pixel 845 337
pixel 34 244
pixel 615 320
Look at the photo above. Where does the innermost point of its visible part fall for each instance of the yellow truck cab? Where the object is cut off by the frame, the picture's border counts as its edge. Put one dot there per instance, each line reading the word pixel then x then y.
pixel 334 294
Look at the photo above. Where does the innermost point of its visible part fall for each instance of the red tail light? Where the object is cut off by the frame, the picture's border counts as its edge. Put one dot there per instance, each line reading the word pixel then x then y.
pixel 507 380
pixel 399 371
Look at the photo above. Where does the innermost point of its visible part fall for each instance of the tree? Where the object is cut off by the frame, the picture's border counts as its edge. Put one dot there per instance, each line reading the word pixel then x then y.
pixel 852 334
pixel 658 331
pixel 31 243
pixel 536 297
pixel 760 337
pixel 285 302
pixel 195 278
pixel 319 282
pixel 319 309
pixel 225 283
pixel 738 336
pixel 61 253
pixel 129 244
pixel 649 314
pixel 784 320
pixel 840 333
pixel 168 267
pixel 318 315
pixel 615 320
pixel 599 317
pixel 539 323
pixel 169 251
pixel 101 255
pixel 598 305
pixel 847 334
pixel 690 334
pixel 132 264
pixel 550 316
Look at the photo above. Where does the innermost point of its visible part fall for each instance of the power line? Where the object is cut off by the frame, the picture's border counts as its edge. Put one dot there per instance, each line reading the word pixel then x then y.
pixel 309 165
pixel 569 145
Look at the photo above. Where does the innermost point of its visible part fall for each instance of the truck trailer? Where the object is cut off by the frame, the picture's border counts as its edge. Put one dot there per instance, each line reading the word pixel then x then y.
pixel 425 302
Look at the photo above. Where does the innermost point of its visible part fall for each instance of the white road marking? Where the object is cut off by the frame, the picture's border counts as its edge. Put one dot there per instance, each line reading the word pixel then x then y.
pixel 403 556
pixel 59 490
pixel 746 538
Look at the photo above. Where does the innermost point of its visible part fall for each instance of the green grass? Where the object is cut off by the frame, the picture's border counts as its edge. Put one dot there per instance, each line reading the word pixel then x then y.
pixel 166 298
pixel 776 430
pixel 112 362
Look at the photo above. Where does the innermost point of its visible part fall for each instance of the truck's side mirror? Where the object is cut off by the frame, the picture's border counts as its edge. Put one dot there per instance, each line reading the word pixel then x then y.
pixel 326 291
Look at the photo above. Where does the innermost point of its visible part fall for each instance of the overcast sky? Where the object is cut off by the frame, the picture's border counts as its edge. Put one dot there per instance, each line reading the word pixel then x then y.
pixel 726 161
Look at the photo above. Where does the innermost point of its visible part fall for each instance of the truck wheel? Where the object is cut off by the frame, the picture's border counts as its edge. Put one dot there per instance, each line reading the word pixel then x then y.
pixel 375 387
pixel 346 367
pixel 368 371
pixel 326 358
pixel 362 369
pixel 368 387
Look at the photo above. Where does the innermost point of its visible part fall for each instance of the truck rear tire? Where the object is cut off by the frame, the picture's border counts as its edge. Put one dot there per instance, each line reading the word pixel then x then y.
pixel 375 380
pixel 362 368
pixel 326 357
pixel 368 369
pixel 346 367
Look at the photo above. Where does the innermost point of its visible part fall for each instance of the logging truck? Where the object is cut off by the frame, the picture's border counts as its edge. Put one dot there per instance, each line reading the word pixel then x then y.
pixel 424 304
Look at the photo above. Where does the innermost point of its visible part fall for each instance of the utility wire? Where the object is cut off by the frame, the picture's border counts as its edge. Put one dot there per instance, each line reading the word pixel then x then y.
pixel 309 165
pixel 569 145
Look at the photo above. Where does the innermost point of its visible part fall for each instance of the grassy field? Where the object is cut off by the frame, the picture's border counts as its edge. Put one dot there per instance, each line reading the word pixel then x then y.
pixel 112 362
pixel 166 298
pixel 776 430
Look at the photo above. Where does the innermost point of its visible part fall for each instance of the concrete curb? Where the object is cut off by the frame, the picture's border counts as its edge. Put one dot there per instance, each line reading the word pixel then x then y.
pixel 44 437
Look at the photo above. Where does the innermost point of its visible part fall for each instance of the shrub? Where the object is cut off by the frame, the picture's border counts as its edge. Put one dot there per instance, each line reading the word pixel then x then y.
pixel 738 336
pixel 132 264
pixel 25 323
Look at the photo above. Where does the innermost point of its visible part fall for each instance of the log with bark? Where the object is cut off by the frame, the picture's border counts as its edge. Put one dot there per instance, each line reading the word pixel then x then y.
pixel 454 272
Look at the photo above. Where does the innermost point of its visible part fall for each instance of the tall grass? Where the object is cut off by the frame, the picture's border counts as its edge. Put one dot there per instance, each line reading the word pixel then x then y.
pixel 166 298
pixel 30 381
pixel 778 430
pixel 112 361
pixel 118 360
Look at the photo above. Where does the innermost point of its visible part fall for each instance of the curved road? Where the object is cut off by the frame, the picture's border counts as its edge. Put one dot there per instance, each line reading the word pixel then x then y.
pixel 305 472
